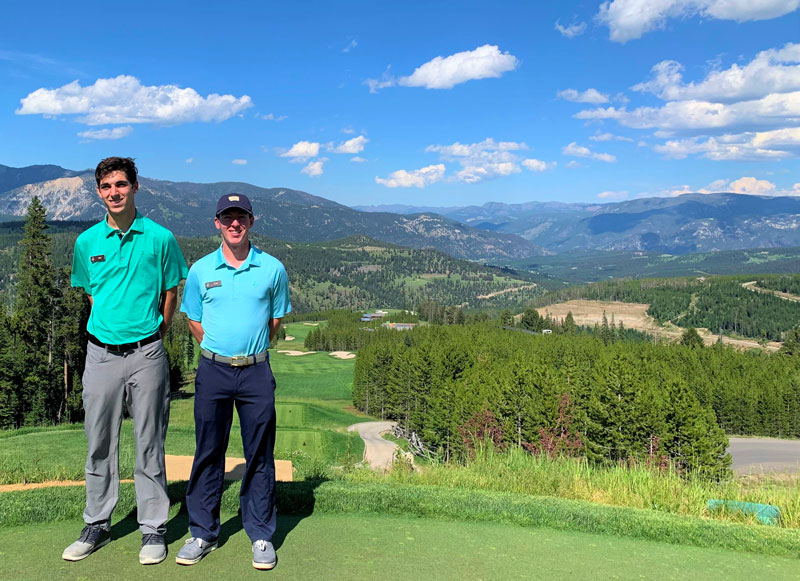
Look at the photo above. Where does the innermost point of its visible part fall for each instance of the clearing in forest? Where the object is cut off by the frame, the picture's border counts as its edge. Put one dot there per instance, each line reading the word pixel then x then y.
pixel 634 316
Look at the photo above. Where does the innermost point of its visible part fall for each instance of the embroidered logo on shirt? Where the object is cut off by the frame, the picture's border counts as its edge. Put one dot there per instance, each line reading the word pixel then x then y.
pixel 213 284
pixel 98 258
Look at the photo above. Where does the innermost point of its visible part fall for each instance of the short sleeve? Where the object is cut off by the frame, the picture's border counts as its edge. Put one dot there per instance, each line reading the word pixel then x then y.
pixel 174 265
pixel 192 303
pixel 80 273
pixel 280 294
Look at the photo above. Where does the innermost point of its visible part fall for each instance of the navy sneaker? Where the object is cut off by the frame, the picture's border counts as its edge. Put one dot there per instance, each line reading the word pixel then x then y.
pixel 92 538
pixel 154 549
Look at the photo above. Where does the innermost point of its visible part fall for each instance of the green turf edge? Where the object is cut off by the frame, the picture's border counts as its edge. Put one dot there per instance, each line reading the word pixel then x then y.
pixel 49 504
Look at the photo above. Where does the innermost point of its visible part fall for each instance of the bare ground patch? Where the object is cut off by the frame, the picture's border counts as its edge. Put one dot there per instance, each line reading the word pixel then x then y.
pixel 634 316
pixel 507 290
pixel 291 353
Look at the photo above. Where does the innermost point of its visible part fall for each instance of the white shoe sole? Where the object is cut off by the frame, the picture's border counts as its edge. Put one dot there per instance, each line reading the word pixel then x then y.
pixel 152 560
pixel 265 566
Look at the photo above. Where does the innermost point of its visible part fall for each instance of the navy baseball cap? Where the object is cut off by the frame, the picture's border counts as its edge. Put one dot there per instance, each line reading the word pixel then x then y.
pixel 234 200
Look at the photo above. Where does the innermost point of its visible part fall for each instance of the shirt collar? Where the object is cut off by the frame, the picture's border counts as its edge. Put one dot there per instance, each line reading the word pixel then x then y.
pixel 136 226
pixel 253 259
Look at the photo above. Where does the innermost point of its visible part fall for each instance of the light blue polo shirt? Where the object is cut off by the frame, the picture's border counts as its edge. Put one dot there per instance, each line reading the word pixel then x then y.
pixel 234 305
pixel 126 277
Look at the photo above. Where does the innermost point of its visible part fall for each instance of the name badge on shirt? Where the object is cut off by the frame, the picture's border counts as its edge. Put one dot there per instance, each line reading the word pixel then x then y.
pixel 213 284
pixel 98 258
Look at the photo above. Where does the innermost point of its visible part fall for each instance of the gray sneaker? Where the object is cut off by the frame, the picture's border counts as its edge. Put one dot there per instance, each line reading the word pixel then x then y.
pixel 193 551
pixel 92 538
pixel 154 549
pixel 264 556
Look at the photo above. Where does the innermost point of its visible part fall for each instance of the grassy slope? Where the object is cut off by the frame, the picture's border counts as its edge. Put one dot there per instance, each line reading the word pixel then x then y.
pixel 311 395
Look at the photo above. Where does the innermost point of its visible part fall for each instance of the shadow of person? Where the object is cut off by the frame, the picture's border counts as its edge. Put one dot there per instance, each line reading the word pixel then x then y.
pixel 295 502
pixel 125 526
pixel 178 525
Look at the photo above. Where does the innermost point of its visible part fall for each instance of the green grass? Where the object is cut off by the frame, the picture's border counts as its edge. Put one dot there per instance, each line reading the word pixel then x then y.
pixel 318 376
pixel 638 487
pixel 430 502
pixel 354 547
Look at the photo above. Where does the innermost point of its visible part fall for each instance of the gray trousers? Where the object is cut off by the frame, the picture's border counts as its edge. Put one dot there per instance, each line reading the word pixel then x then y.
pixel 138 379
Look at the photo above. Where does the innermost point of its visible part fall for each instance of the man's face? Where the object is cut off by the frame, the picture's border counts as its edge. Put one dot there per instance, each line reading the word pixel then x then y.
pixel 235 226
pixel 117 193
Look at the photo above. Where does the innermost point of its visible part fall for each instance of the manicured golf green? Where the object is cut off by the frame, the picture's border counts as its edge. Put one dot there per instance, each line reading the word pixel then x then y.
pixel 356 547
pixel 318 376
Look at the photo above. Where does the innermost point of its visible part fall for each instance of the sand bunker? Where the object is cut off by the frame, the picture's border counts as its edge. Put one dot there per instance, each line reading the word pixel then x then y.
pixel 296 353
pixel 178 468
pixel 342 354
pixel 288 338
pixel 312 324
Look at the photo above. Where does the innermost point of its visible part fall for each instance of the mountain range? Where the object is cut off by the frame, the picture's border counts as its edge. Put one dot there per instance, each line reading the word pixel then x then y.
pixel 187 209
pixel 495 231
pixel 678 225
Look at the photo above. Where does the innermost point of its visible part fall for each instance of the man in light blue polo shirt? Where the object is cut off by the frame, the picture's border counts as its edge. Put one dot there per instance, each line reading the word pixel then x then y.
pixel 130 267
pixel 234 299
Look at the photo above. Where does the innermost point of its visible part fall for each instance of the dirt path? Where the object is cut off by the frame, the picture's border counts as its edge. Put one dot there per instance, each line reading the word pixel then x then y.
pixel 751 286
pixel 507 290
pixel 634 316
pixel 378 452
pixel 178 468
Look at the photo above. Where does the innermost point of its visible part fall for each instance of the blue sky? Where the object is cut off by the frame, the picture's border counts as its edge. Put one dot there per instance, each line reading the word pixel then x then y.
pixel 434 103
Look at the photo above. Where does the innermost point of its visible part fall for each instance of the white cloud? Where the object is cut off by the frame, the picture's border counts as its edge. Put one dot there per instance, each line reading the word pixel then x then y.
pixel 538 165
pixel 348 130
pixel 124 99
pixel 575 150
pixel 772 110
pixel 588 96
pixel 355 145
pixel 746 185
pixel 112 133
pixel 302 150
pixel 189 159
pixel 771 71
pixel 418 178
pixel 358 159
pixel 273 117
pixel 446 72
pixel 239 161
pixel 350 45
pixel 485 159
pixel 572 30
pixel 572 164
pixel 610 195
pixel 609 137
pixel 630 19
pixel 749 146
pixel 314 168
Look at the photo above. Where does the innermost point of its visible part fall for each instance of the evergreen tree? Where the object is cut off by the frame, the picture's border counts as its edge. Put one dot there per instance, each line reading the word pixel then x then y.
pixel 692 338
pixel 33 323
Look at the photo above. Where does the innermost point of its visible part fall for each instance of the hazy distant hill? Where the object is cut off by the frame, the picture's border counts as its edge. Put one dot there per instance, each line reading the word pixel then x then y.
pixel 683 224
pixel 186 208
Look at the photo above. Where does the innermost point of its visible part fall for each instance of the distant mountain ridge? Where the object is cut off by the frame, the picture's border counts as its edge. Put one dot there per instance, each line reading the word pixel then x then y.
pixel 683 224
pixel 287 214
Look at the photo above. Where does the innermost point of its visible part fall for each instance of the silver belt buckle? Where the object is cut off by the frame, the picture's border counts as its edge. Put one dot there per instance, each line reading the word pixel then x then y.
pixel 239 361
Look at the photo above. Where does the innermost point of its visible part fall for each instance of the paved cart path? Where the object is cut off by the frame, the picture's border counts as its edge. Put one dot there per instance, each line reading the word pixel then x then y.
pixel 756 455
pixel 378 452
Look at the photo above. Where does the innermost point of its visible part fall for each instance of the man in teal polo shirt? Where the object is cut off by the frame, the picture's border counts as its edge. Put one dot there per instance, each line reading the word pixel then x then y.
pixel 235 299
pixel 130 267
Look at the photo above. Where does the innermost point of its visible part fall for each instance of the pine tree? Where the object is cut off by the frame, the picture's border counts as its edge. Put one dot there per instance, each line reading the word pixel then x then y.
pixel 33 323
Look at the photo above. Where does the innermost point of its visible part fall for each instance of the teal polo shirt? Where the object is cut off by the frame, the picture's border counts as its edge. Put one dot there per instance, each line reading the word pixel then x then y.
pixel 234 305
pixel 126 277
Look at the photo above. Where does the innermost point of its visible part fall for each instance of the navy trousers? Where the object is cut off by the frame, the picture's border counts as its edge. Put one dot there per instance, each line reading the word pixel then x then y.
pixel 218 387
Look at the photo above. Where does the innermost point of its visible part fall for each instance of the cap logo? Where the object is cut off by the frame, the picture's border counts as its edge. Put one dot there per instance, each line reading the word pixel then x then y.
pixel 233 198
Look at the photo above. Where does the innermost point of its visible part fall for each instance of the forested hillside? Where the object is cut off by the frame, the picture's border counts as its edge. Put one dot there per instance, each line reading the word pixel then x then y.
pixel 716 303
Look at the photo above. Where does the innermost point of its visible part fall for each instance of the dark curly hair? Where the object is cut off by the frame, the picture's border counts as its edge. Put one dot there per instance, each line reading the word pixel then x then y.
pixel 112 164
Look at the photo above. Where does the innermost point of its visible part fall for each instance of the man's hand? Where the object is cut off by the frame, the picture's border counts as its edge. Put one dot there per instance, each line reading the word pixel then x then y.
pixel 274 325
pixel 196 329
pixel 168 303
